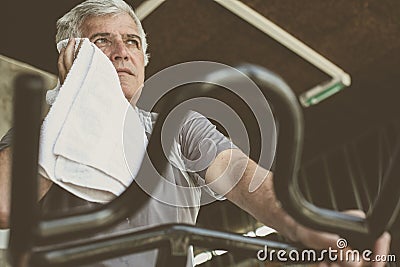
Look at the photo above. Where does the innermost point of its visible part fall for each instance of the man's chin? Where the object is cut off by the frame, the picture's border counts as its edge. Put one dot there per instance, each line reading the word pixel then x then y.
pixel 130 94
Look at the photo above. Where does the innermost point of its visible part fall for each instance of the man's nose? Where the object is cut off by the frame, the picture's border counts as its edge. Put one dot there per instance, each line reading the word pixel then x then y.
pixel 119 51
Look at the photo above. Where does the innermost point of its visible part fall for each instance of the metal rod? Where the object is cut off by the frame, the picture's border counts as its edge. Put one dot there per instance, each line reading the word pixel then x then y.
pixel 147 7
pixel 29 93
pixel 89 251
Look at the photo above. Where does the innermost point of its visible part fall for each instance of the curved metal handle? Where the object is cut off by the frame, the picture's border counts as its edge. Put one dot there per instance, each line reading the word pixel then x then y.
pixel 360 232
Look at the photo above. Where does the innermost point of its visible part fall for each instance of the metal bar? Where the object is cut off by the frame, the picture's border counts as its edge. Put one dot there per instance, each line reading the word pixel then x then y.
pixel 147 7
pixel 90 251
pixel 29 93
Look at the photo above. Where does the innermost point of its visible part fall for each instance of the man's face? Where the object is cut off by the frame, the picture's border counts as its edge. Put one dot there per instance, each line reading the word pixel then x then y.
pixel 117 36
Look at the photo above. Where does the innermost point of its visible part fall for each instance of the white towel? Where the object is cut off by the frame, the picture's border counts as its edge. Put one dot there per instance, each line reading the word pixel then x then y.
pixel 82 137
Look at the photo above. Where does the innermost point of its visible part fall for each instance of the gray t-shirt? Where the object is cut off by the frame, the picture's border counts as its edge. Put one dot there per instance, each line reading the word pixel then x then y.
pixel 197 139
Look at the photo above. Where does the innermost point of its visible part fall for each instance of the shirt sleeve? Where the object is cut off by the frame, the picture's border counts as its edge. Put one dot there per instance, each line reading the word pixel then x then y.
pixel 201 143
pixel 6 140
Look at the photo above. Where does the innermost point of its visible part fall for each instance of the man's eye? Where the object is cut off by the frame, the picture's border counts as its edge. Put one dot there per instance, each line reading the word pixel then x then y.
pixel 101 41
pixel 132 42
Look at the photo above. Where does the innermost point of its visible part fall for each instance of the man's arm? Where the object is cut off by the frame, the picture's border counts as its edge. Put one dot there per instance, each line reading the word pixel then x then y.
pixel 5 186
pixel 233 165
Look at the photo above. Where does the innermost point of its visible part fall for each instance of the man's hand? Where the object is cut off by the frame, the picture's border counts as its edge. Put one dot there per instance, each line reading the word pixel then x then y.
pixel 66 59
pixel 320 240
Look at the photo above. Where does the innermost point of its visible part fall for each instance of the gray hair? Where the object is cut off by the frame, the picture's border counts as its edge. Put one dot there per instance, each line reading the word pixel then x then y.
pixel 69 25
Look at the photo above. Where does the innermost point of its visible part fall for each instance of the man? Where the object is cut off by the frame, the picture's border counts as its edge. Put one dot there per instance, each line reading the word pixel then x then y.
pixel 114 28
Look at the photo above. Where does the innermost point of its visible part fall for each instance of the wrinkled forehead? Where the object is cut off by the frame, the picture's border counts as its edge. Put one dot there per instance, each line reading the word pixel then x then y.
pixel 121 23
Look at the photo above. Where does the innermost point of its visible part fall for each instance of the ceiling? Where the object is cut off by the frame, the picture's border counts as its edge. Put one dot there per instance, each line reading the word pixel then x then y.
pixel 361 37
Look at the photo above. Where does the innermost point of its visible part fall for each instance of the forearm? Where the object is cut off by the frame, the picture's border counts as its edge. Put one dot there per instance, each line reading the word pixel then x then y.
pixel 262 204
pixel 233 165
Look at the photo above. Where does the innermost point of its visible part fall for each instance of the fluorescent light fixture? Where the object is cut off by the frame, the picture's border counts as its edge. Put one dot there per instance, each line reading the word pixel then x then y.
pixel 340 79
